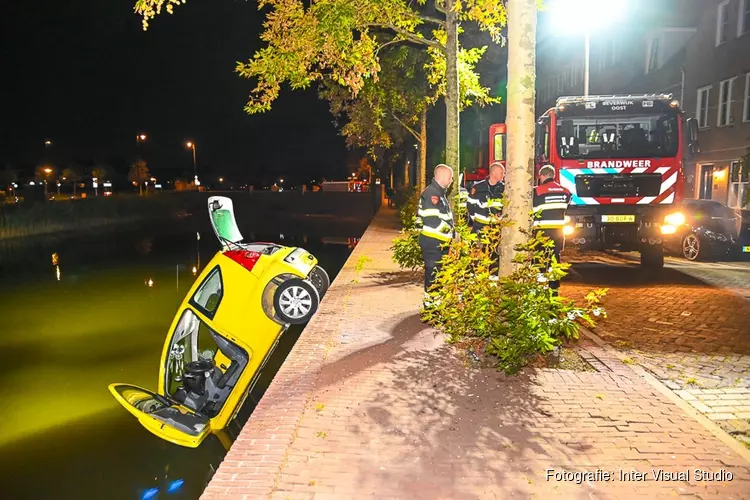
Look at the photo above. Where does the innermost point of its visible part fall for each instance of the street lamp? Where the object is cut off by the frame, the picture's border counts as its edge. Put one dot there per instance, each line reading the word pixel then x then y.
pixel 138 140
pixel 47 143
pixel 588 15
pixel 191 145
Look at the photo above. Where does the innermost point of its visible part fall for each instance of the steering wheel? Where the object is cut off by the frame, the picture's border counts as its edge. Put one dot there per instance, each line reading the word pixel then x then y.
pixel 200 366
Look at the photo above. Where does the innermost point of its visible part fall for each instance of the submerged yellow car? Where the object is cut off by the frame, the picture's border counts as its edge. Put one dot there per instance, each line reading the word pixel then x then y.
pixel 224 332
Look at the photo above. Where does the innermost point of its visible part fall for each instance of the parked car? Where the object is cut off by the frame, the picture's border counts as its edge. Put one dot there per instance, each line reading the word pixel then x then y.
pixel 224 332
pixel 711 230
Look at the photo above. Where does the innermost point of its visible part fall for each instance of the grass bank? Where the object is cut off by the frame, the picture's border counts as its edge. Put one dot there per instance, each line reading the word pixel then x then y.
pixel 34 219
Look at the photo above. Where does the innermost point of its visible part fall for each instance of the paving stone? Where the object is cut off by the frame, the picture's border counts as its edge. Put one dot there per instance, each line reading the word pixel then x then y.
pixel 404 417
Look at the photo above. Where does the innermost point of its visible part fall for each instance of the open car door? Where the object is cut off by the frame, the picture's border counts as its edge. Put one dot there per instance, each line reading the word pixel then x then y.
pixel 221 214
pixel 163 417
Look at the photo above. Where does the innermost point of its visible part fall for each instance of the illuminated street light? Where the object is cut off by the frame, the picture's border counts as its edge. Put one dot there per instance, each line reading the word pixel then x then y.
pixel 142 137
pixel 588 15
pixel 191 145
pixel 221 179
pixel 47 170
pixel 48 143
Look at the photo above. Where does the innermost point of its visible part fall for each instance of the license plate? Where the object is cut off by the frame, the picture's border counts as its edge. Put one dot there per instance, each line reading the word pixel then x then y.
pixel 746 249
pixel 618 218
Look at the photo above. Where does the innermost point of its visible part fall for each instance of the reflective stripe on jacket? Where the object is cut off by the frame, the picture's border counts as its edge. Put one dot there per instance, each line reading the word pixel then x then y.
pixel 434 216
pixel 550 204
pixel 485 202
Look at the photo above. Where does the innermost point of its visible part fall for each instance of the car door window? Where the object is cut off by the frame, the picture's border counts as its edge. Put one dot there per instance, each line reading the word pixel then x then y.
pixel 208 296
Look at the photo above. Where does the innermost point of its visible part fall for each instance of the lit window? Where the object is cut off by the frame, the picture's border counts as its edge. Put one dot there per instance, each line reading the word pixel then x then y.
pixel 722 23
pixel 653 56
pixel 746 104
pixel 743 22
pixel 738 185
pixel 725 103
pixel 701 112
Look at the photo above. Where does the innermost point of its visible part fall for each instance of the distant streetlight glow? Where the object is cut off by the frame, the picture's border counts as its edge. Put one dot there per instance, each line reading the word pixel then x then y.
pixel 221 179
pixel 589 15
pixel 47 170
pixel 142 137
pixel 48 143
pixel 191 145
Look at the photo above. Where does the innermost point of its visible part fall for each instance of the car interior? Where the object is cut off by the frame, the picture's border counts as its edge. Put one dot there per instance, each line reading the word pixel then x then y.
pixel 203 366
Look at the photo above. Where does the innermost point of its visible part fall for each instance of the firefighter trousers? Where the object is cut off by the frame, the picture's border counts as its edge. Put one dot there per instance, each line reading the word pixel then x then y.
pixel 557 237
pixel 432 253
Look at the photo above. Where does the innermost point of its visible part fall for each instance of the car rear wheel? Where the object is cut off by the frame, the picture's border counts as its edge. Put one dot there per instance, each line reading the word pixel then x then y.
pixel 296 301
pixel 691 247
pixel 319 278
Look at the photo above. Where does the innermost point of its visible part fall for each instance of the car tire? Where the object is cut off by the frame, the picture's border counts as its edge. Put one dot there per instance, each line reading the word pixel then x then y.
pixel 319 277
pixel 692 247
pixel 652 257
pixel 296 301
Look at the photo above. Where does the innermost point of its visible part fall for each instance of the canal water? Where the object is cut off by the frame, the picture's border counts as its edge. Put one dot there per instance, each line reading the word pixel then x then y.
pixel 78 313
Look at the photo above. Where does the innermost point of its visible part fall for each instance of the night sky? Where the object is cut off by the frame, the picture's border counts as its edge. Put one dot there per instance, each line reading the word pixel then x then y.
pixel 86 76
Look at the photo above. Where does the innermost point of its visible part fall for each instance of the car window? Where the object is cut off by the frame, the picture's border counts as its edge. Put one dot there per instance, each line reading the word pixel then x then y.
pixel 208 296
pixel 723 211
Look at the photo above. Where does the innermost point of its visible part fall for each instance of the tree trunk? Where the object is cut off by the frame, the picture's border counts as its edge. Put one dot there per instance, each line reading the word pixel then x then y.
pixel 407 183
pixel 140 189
pixel 452 95
pixel 422 167
pixel 520 121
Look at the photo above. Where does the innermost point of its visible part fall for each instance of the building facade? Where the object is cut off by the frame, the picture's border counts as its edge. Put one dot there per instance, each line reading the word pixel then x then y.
pixel 696 50
pixel 717 83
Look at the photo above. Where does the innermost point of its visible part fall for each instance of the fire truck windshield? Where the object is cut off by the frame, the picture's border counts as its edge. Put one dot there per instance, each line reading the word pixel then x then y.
pixel 649 136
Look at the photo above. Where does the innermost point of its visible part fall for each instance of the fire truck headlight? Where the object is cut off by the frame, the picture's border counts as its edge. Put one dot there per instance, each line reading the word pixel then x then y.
pixel 675 219
pixel 668 229
pixel 568 229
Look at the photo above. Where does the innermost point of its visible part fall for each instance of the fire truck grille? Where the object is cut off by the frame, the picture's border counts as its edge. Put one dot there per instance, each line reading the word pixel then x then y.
pixel 618 186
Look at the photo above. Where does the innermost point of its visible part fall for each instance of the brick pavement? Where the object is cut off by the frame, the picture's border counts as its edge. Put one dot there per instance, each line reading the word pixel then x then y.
pixel 687 325
pixel 371 403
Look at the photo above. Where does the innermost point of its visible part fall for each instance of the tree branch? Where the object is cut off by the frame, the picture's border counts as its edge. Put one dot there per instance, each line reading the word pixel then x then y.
pixel 433 20
pixel 409 36
pixel 407 127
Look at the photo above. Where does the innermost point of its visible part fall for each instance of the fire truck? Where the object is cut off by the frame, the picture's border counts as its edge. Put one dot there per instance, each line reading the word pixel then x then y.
pixel 497 153
pixel 621 157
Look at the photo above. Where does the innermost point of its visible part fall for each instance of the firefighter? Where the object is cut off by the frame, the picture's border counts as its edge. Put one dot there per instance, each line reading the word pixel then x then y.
pixel 484 201
pixel 550 204
pixel 435 220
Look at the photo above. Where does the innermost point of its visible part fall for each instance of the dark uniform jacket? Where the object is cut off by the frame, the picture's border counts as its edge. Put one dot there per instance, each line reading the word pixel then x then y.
pixel 550 204
pixel 434 217
pixel 484 203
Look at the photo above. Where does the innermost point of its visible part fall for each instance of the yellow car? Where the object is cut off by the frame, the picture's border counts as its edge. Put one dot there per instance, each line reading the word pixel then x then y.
pixel 224 332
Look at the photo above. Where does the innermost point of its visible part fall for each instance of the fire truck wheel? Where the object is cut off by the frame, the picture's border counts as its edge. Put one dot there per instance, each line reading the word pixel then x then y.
pixel 652 257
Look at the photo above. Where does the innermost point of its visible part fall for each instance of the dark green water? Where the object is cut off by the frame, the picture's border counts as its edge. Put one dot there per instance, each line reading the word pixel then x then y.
pixel 65 336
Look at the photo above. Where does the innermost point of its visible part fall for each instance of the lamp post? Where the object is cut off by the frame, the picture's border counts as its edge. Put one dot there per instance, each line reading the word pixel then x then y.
pixel 46 171
pixel 191 145
pixel 587 15
pixel 138 140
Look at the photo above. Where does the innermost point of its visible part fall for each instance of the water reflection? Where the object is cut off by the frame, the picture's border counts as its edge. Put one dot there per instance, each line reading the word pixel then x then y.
pixel 65 341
